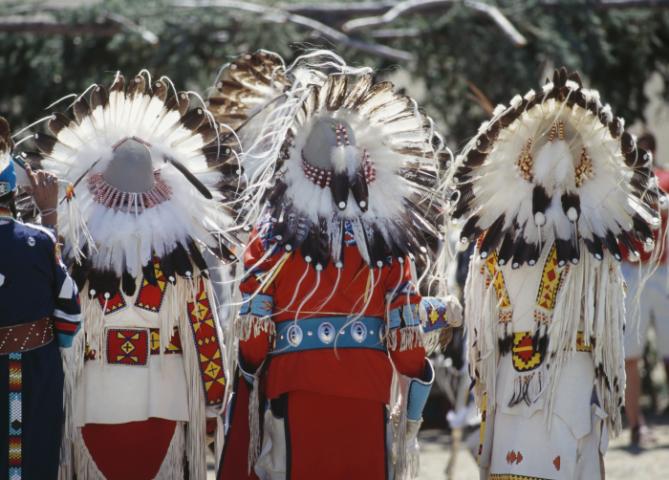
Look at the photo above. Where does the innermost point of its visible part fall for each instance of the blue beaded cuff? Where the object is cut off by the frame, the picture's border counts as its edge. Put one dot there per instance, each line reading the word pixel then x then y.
pixel 258 305
pixel 435 314
pixel 404 316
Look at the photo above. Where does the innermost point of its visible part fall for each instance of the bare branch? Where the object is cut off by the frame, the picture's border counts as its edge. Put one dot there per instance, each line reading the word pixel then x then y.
pixel 395 33
pixel 417 6
pixel 147 35
pixel 277 15
pixel 402 8
pixel 45 25
pixel 611 4
pixel 502 22
pixel 339 10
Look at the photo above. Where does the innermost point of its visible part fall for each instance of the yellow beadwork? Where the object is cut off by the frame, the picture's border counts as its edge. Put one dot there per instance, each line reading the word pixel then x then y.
pixel 505 313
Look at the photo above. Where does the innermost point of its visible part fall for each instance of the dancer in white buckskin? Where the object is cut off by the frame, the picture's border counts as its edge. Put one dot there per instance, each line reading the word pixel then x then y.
pixel 141 210
pixel 549 190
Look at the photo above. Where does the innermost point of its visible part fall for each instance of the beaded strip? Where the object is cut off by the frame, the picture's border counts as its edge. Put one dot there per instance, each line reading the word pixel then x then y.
pixel 129 202
pixel 15 416
pixel 551 279
pixel 317 176
pixel 584 170
pixel 323 178
pixel 497 279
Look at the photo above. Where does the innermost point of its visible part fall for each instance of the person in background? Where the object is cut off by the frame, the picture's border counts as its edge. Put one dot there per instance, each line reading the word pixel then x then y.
pixel 653 305
pixel 39 312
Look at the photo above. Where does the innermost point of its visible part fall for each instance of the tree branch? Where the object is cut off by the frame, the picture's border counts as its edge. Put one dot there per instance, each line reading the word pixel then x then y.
pixel 45 24
pixel 338 10
pixel 40 24
pixel 502 22
pixel 402 8
pixel 408 7
pixel 277 15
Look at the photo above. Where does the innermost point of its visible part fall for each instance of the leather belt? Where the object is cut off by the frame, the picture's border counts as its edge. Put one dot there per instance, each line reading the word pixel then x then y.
pixel 329 333
pixel 26 336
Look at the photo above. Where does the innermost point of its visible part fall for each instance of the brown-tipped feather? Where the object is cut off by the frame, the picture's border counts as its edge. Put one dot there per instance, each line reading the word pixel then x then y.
pixel 58 122
pixel 118 84
pixel 44 142
pixel 193 119
pixel 160 90
pixel 358 90
pixel 5 133
pixel 99 97
pixel 81 109
pixel 337 91
pixel 137 86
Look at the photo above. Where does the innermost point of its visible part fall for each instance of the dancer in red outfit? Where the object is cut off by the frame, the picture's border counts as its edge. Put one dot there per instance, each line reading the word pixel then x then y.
pixel 331 305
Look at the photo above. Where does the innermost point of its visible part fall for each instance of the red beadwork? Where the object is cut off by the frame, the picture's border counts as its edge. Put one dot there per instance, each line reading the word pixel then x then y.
pixel 111 197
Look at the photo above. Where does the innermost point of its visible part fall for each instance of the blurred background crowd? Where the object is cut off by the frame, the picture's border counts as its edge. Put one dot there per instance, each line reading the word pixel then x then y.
pixel 458 58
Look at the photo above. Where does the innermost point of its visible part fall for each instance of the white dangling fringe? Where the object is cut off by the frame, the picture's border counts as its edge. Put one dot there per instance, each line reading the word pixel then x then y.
pixel 405 456
pixel 410 338
pixel 219 436
pixel 399 423
pixel 593 291
pixel 254 422
pixel 173 463
pixel 93 321
pixel 173 303
pixel 73 365
pixel 481 323
pixel 392 340
pixel 247 326
pixel 430 341
pixel 196 439
pixel 84 464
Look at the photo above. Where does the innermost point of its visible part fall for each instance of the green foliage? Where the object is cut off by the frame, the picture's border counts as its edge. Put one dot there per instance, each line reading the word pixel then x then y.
pixel 615 50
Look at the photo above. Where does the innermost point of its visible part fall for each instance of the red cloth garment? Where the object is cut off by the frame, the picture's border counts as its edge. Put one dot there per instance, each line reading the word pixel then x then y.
pixel 352 373
pixel 129 451
pixel 335 438
pixel 336 398
pixel 234 458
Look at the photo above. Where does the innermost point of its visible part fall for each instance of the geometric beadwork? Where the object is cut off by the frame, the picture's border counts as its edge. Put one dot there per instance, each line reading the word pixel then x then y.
pixel 150 297
pixel 550 283
pixel 497 278
pixel 15 416
pixel 208 347
pixel 435 310
pixel 127 346
pixel 112 304
pixel 525 357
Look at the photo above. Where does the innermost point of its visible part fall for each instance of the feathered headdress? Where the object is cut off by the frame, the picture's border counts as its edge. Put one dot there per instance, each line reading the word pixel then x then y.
pixel 327 147
pixel 555 165
pixel 144 169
